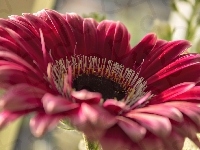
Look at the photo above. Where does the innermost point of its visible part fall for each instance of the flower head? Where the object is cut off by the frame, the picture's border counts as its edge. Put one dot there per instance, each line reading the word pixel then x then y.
pixel 61 66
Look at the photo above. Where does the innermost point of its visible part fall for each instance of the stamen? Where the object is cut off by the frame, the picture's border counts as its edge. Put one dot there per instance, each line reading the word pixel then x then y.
pixel 127 78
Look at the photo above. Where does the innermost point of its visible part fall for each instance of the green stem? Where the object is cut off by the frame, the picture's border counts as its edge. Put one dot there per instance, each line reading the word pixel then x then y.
pixel 91 145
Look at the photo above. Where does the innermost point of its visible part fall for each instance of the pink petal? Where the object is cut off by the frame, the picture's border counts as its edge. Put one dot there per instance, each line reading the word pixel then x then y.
pixel 93 120
pixel 86 96
pixel 141 100
pixel 46 55
pixel 135 131
pixel 57 104
pixel 158 125
pixel 6 117
pixel 162 110
pixel 42 123
pixel 21 97
pixel 189 109
pixel 116 139
pixel 97 115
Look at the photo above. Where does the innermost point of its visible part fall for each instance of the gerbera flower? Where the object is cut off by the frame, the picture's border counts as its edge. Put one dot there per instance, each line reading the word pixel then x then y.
pixel 61 66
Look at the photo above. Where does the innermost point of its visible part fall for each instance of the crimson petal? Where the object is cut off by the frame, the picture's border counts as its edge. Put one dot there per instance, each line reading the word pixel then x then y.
pixel 109 34
pixel 163 56
pixel 66 37
pixel 190 95
pixel 135 57
pixel 90 34
pixel 172 92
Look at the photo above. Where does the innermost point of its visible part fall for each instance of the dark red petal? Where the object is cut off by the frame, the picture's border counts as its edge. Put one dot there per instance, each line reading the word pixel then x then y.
pixel 173 77
pixel 109 33
pixel 10 46
pixel 62 29
pixel 172 92
pixel 21 35
pixel 181 62
pixel 105 39
pixel 121 41
pixel 138 54
pixel 114 106
pixel 90 37
pixel 8 65
pixel 10 76
pixel 51 38
pixel 163 56
pixel 20 19
pixel 16 59
pixel 76 24
pixel 158 125
pixel 57 104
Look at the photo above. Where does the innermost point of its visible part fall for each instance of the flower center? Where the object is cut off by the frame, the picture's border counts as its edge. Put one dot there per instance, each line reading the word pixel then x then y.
pixel 107 87
pixel 111 79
